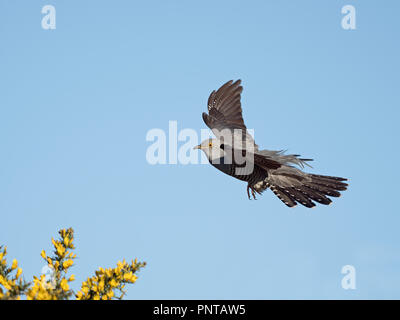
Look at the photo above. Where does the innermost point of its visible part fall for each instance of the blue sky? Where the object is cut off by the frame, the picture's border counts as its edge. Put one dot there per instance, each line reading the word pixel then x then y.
pixel 77 102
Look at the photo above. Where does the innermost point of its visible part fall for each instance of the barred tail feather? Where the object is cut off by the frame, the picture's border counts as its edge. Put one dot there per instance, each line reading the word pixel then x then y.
pixel 316 188
pixel 314 195
pixel 333 183
pixel 300 197
pixel 286 199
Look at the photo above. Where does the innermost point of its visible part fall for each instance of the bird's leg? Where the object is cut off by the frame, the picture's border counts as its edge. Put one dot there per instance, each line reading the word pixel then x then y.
pixel 252 192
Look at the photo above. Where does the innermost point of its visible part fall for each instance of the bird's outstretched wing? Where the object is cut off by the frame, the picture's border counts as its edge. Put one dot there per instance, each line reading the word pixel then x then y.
pixel 225 114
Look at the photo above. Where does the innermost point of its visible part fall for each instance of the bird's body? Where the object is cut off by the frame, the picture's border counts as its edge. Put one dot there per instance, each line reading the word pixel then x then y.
pixel 239 173
pixel 235 153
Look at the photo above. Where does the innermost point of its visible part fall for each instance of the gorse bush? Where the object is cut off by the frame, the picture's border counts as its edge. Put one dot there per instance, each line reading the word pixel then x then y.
pixel 106 284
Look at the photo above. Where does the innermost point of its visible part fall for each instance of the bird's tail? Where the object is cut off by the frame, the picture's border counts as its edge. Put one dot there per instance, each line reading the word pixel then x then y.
pixel 307 189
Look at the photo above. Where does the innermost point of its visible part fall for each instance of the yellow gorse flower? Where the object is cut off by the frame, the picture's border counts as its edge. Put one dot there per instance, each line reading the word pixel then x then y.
pixel 67 263
pixel 114 283
pixel 103 285
pixel 19 272
pixel 11 285
pixel 14 264
pixel 107 281
pixel 66 242
pixel 64 284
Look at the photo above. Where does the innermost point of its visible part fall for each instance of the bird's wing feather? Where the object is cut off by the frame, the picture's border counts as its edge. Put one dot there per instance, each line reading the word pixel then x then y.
pixel 225 113
pixel 264 162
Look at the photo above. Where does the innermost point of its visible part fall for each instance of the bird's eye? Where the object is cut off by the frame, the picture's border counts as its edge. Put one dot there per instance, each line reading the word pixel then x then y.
pixel 210 144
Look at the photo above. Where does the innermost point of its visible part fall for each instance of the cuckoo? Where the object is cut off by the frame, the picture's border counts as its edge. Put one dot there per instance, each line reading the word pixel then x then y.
pixel 235 153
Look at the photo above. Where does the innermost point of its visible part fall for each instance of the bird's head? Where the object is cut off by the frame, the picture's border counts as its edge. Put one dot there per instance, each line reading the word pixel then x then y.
pixel 212 148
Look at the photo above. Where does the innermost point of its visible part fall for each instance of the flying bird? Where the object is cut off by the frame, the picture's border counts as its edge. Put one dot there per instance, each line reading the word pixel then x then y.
pixel 235 153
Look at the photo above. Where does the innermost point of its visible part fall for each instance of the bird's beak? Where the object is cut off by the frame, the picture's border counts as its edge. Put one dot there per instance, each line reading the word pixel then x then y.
pixel 197 147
